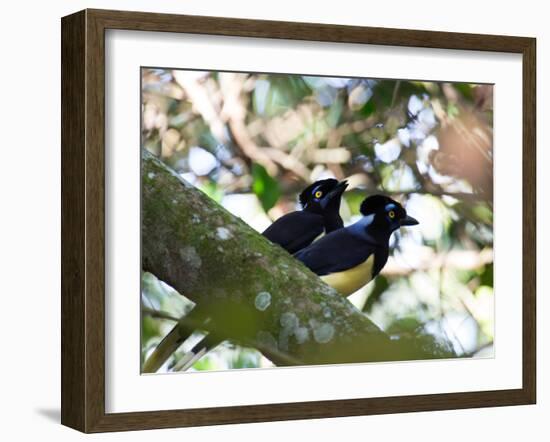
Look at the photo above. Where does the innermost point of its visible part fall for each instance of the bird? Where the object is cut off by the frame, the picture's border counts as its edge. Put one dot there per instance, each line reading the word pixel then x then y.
pixel 320 215
pixel 349 258
pixel 320 203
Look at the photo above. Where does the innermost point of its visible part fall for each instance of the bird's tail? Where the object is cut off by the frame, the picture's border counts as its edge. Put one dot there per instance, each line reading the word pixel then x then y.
pixel 198 351
pixel 175 338
pixel 162 352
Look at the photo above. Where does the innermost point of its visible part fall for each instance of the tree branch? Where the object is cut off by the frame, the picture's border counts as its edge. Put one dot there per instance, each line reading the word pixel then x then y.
pixel 253 291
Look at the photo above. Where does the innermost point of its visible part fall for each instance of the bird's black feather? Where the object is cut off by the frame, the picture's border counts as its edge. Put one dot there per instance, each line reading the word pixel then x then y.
pixel 320 213
pixel 295 230
pixel 339 251
pixel 327 185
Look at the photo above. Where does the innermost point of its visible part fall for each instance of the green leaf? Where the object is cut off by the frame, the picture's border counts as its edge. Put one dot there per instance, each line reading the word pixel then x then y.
pixel 205 363
pixel 486 277
pixel 265 187
pixel 483 213
pixel 150 328
pixel 212 189
pixel 368 109
pixel 246 358
pixel 465 89
pixel 353 199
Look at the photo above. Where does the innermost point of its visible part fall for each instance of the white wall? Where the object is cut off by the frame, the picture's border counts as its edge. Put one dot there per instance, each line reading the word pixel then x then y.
pixel 30 214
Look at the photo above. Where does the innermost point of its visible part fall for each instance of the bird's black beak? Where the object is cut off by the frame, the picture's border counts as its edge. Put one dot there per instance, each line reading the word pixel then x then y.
pixel 409 221
pixel 335 193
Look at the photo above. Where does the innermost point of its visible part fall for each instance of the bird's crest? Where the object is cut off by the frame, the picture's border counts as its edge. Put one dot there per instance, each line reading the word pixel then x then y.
pixel 375 202
pixel 326 185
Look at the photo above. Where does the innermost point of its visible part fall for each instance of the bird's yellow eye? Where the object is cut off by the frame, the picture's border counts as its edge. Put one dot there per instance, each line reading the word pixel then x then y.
pixel 391 214
pixel 318 194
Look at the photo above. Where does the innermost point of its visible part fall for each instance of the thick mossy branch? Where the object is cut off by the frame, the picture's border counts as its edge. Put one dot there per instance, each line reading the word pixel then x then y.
pixel 252 289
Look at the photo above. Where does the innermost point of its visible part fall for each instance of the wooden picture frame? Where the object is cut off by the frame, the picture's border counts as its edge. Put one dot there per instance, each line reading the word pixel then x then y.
pixel 83 219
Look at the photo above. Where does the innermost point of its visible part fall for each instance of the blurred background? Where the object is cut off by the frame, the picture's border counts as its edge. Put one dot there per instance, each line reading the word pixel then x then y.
pixel 253 141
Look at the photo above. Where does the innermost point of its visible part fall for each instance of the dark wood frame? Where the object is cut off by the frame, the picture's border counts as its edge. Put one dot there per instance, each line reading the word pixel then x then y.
pixel 83 216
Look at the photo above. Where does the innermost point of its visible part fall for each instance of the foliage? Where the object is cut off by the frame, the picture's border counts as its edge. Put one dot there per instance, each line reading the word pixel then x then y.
pixel 253 141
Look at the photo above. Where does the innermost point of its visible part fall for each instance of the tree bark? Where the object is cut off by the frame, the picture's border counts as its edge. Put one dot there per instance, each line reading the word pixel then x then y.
pixel 253 290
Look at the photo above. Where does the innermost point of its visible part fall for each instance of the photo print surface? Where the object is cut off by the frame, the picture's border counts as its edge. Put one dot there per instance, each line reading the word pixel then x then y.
pixel 295 220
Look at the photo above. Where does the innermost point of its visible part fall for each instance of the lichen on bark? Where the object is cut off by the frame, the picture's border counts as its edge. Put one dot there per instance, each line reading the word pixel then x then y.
pixel 253 290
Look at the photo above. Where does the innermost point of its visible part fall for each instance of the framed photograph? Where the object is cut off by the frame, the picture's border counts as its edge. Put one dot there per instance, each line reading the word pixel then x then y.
pixel 267 220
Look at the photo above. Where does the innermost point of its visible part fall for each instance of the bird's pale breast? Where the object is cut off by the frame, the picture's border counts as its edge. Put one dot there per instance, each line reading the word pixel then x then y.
pixel 349 281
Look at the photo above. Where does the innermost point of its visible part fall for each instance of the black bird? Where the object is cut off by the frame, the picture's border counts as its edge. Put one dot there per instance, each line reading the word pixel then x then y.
pixel 349 258
pixel 320 213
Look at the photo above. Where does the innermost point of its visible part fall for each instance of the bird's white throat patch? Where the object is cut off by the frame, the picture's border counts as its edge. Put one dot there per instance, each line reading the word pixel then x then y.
pixel 360 226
